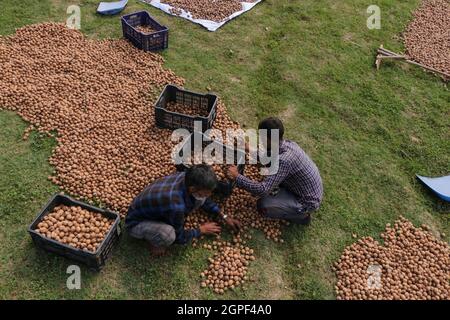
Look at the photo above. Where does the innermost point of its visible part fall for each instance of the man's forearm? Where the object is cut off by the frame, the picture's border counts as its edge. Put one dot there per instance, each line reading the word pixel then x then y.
pixel 254 187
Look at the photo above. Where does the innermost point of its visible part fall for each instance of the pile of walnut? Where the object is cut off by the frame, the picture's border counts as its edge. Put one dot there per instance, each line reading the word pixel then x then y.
pixel 216 10
pixel 145 29
pixel 196 110
pixel 412 264
pixel 220 170
pixel 229 265
pixel 96 96
pixel 75 226
pixel 427 37
pixel 242 205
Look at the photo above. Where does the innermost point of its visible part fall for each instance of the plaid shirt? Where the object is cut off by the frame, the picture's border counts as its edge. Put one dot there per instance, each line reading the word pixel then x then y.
pixel 296 173
pixel 167 200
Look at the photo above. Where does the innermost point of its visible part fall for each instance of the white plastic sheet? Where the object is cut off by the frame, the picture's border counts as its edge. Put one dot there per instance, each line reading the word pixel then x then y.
pixel 208 24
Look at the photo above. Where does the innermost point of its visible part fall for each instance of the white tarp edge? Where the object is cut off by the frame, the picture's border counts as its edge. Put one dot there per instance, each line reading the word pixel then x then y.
pixel 208 24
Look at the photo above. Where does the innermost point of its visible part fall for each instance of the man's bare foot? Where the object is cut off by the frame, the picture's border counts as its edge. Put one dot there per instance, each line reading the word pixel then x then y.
pixel 157 251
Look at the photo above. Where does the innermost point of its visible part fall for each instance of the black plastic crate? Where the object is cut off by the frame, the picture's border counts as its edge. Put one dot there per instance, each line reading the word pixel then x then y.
pixel 154 41
pixel 94 260
pixel 225 187
pixel 175 120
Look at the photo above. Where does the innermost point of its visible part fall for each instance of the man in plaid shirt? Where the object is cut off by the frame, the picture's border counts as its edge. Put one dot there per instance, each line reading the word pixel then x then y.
pixel 294 191
pixel 158 213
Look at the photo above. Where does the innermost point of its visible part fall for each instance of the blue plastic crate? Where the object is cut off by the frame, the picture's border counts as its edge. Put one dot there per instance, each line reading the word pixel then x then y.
pixel 155 41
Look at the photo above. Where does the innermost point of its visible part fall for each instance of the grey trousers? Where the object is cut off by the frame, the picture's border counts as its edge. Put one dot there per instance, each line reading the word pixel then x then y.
pixel 282 204
pixel 158 234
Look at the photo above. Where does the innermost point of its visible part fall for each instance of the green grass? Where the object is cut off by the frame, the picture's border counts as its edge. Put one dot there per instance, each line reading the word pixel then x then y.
pixel 311 63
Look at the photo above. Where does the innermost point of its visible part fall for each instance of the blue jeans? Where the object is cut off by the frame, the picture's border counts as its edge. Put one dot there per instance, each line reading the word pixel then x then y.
pixel 282 204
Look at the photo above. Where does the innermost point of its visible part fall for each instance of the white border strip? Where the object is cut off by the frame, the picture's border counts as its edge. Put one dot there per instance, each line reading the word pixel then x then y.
pixel 208 24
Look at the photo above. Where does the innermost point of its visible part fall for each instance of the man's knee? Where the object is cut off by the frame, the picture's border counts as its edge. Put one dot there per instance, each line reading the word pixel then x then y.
pixel 157 234
pixel 262 206
pixel 164 236
pixel 279 208
pixel 268 208
pixel 167 236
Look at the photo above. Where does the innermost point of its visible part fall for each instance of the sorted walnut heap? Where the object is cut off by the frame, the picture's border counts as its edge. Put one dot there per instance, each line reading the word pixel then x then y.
pixel 220 170
pixel 427 37
pixel 75 226
pixel 411 265
pixel 229 265
pixel 95 95
pixel 223 120
pixel 195 219
pixel 242 205
pixel 216 10
pixel 145 29
pixel 196 110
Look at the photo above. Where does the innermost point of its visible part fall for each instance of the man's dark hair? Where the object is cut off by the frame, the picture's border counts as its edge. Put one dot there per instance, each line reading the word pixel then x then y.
pixel 272 123
pixel 201 176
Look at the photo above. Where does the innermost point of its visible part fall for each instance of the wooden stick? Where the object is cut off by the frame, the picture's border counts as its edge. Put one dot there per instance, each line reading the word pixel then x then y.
pixel 392 57
pixel 388 51
pixel 387 54
pixel 378 62
pixel 428 68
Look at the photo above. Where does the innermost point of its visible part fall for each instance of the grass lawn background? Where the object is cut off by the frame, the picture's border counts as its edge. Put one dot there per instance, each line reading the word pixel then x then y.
pixel 310 63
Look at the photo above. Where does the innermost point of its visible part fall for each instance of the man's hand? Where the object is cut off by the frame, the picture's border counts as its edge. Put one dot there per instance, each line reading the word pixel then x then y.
pixel 210 228
pixel 232 173
pixel 235 224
